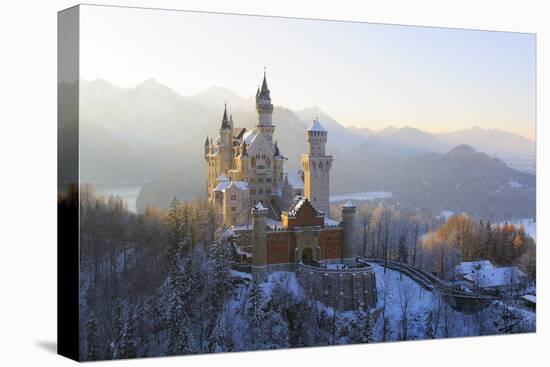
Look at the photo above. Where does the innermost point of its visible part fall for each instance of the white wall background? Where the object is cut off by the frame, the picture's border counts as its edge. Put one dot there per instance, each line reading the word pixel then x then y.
pixel 28 181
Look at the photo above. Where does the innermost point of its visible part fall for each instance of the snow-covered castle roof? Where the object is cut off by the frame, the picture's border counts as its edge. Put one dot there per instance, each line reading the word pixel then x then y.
pixel 316 126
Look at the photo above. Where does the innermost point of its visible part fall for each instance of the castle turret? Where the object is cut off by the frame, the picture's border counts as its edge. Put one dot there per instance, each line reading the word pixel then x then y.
pixel 206 147
pixel 243 161
pixel 225 129
pixel 348 229
pixel 226 143
pixel 317 165
pixel 265 110
pixel 259 239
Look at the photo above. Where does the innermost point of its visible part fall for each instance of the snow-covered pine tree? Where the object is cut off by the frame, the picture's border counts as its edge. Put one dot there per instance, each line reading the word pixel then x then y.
pixel 128 348
pixel 220 263
pixel 221 340
pixel 366 325
pixel 154 309
pixel 139 318
pixel 180 337
pixel 304 330
pixel 91 339
pixel 428 326
pixel 177 222
pixel 507 321
pixel 254 310
pixel 281 298
pixel 219 283
pixel 274 330
pixel 118 329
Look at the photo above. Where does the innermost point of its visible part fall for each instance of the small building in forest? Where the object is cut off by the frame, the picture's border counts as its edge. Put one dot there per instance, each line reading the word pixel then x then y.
pixel 496 279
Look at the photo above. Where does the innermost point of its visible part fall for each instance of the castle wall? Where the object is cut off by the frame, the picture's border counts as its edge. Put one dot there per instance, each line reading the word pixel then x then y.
pixel 280 247
pixel 343 289
pixel 331 243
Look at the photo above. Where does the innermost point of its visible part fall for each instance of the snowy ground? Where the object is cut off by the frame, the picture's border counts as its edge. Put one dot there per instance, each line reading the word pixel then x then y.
pixel 449 322
pixel 528 223
pixel 423 301
pixel 361 196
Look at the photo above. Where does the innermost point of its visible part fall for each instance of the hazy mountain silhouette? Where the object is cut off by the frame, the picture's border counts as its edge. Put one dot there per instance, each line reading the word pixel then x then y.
pixel 402 142
pixel 491 141
pixel 151 133
pixel 459 180
pixel 216 97
pixel 364 132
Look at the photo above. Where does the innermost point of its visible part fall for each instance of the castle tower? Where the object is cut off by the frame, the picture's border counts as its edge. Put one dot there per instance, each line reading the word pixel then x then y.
pixel 316 165
pixel 348 229
pixel 206 147
pixel 259 240
pixel 265 110
pixel 226 144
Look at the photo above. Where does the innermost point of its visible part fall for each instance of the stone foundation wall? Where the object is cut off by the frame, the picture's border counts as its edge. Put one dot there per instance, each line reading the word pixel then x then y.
pixel 342 289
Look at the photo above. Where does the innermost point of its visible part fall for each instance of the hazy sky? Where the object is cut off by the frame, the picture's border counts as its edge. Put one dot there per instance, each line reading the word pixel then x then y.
pixel 368 75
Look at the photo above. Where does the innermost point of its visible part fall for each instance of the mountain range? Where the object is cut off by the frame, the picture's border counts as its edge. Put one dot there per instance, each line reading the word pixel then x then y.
pixel 150 133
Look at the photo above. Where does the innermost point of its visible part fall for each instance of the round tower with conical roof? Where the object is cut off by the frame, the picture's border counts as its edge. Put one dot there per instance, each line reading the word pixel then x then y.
pixel 317 165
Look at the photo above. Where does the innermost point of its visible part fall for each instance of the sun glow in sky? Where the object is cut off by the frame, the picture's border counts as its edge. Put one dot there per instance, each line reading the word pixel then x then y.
pixel 367 75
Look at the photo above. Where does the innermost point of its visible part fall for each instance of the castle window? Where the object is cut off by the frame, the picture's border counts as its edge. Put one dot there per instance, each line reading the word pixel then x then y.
pixel 268 179
pixel 233 197
pixel 233 208
pixel 268 191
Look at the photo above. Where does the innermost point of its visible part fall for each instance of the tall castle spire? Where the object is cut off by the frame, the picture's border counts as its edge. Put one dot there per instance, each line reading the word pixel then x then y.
pixel 265 110
pixel 225 120
pixel 264 92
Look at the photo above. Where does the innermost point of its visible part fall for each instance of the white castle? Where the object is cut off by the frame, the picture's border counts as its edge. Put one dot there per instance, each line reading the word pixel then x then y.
pixel 245 168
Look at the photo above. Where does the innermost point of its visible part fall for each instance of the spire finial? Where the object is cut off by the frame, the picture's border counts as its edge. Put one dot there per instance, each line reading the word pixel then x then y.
pixel 225 121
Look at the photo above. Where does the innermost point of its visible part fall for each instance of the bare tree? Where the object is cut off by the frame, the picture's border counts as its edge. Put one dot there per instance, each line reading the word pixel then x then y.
pixel 405 297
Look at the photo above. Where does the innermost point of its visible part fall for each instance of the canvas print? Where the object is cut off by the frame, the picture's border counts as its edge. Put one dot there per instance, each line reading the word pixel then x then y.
pixel 251 183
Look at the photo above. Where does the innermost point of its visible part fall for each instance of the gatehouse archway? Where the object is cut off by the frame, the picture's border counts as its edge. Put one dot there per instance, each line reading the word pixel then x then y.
pixel 307 255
